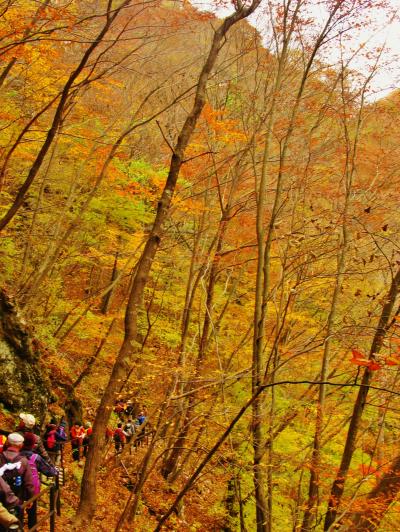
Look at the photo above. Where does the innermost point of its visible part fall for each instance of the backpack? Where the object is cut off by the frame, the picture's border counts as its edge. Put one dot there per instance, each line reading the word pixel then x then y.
pixel 35 473
pixel 50 441
pixel 61 432
pixel 129 429
pixel 117 437
pixel 12 476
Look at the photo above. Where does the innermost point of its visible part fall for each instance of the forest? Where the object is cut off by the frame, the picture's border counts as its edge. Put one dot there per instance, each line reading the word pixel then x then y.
pixel 199 214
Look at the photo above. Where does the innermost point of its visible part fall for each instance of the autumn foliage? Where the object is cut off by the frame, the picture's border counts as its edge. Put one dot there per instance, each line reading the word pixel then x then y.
pixel 274 282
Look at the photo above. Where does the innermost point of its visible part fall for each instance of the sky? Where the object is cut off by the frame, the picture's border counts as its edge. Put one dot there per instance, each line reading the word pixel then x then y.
pixel 382 29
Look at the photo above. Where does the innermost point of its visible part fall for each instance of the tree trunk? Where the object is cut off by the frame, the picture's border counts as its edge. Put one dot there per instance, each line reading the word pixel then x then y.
pixel 124 359
pixel 264 239
pixel 377 503
pixel 170 466
pixel 111 15
pixel 107 298
pixel 27 32
pixel 94 357
pixel 339 482
pixel 341 266
pixel 231 512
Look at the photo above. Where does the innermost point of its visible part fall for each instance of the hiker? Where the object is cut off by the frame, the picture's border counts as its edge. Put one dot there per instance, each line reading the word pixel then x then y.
pixel 129 407
pixel 61 437
pixel 27 424
pixel 9 502
pixel 53 438
pixel 86 438
pixel 77 433
pixel 38 465
pixel 141 418
pixel 19 479
pixel 62 431
pixel 129 430
pixel 50 440
pixel 3 440
pixel 7 519
pixel 119 408
pixel 119 439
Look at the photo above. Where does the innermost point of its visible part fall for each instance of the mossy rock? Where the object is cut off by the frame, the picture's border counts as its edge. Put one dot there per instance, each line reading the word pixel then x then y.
pixel 24 385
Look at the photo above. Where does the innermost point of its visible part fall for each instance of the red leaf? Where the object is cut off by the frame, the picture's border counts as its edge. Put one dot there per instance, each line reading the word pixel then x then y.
pixel 360 361
pixel 357 354
pixel 373 366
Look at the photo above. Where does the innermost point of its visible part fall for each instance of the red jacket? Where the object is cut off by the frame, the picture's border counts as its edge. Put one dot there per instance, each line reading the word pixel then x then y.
pixel 120 435
pixel 77 434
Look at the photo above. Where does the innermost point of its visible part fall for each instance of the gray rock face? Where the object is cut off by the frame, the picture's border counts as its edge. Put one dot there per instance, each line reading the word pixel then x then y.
pixel 23 384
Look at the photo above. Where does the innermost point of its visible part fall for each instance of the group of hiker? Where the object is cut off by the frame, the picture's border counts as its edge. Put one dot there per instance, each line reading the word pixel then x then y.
pixel 24 456
pixel 131 431
pixel 124 408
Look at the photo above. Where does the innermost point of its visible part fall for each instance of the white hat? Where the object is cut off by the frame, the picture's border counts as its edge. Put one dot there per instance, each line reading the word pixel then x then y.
pixel 28 419
pixel 15 438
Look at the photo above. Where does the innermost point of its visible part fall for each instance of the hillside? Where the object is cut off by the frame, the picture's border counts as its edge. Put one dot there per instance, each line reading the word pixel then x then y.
pixel 200 218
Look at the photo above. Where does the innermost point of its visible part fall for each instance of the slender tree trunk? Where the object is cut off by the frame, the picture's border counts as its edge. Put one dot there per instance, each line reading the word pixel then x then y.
pixel 264 243
pixel 94 357
pixel 179 409
pixel 339 482
pixel 241 505
pixel 112 13
pixel 107 298
pixel 34 218
pixel 230 500
pixel 170 466
pixel 261 294
pixel 27 32
pixel 124 359
pixel 351 152
pixel 377 503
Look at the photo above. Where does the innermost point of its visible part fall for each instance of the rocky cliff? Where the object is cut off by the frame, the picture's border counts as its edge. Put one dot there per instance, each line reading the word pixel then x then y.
pixel 23 383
